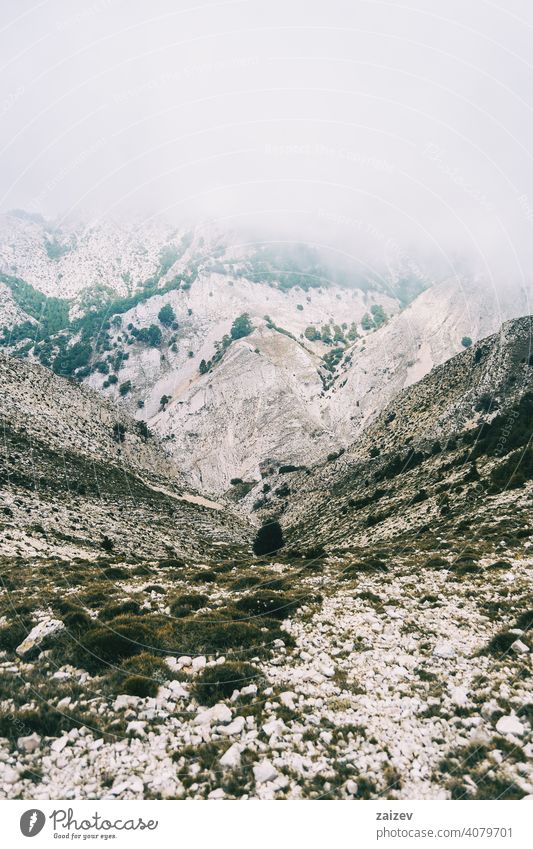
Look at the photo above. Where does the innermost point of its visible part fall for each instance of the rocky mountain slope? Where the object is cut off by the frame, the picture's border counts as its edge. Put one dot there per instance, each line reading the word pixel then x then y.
pixel 145 314
pixel 460 424
pixel 382 652
pixel 80 476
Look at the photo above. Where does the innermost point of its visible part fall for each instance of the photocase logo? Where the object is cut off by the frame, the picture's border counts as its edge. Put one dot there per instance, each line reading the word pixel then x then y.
pixel 32 822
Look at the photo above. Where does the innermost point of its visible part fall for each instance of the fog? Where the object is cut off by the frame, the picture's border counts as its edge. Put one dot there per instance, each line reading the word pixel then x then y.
pixel 376 128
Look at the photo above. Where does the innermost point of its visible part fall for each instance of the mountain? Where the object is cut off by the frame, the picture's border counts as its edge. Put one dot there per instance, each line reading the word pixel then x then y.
pixel 149 316
pixel 80 477
pixel 459 433
pixel 381 651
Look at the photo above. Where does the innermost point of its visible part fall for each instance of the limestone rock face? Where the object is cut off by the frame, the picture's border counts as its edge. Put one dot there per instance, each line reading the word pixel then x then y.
pixel 284 394
pixel 261 402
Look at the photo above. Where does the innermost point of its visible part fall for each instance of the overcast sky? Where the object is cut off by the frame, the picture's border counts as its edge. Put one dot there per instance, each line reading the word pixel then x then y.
pixel 369 124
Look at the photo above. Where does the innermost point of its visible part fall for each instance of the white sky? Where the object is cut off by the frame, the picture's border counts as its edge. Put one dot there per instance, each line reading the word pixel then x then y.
pixel 339 121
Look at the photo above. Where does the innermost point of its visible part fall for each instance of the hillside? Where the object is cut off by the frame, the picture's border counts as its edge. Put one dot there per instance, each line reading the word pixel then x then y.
pixel 150 317
pixel 435 443
pixel 382 652
pixel 75 471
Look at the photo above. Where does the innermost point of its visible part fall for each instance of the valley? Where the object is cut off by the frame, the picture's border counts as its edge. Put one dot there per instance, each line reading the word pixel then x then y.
pixel 299 570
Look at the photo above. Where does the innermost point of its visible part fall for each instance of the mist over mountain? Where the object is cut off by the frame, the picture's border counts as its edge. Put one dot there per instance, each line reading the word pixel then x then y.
pixel 375 131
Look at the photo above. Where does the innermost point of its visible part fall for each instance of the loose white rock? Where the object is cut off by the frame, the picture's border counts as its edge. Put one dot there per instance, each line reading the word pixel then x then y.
pixel 39 637
pixel 510 725
pixel 29 744
pixel 264 771
pixel 216 794
pixel 233 728
pixel 136 727
pixel 231 757
pixel 444 650
pixel 59 744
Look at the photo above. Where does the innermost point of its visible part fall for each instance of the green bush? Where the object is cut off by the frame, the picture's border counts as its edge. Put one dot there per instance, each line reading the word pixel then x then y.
pixel 150 336
pixel 312 333
pixel 107 646
pixel 269 538
pixel 141 675
pixel 136 685
pixel 111 611
pixel 268 603
pixel 501 642
pixel 218 682
pixel 114 573
pixel 242 326
pixel 205 576
pixel 45 720
pixel 77 620
pixel 211 632
pixel 525 621
pixel 12 635
pixel 166 315
pixel 184 604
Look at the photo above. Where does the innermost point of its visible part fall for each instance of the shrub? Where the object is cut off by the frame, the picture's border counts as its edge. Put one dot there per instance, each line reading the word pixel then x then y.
pixel 125 387
pixel 466 341
pixel 500 564
pixel 12 635
pixel 77 620
pixel 107 544
pixel 269 538
pixel 205 576
pixel 242 326
pixel 150 336
pixel 268 603
pixel 215 631
pixel 466 567
pixel 437 563
pixel 142 428
pixel 525 621
pixel 141 675
pixel 46 721
pixel 106 646
pixel 316 553
pixel 111 611
pixel 218 682
pixel 136 685
pixel 353 570
pixel 378 314
pixel 182 605
pixel 114 573
pixel 119 432
pixel 166 315
pixel 312 333
pixel 501 642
